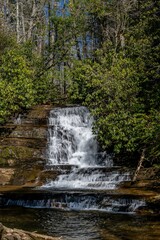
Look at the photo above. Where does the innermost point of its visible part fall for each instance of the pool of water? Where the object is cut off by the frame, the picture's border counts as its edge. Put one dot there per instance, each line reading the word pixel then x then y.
pixel 82 225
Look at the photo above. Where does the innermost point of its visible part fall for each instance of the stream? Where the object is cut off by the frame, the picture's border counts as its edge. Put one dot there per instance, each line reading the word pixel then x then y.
pixel 80 225
pixel 82 202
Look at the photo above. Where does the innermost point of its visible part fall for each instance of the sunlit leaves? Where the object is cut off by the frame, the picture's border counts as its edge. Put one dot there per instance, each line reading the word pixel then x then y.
pixel 16 86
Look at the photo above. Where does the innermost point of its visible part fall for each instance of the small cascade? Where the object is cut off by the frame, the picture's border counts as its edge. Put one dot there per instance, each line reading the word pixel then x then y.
pixel 88 202
pixel 89 179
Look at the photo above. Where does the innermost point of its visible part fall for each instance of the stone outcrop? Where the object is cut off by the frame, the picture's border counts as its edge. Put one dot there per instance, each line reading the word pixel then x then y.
pixel 23 147
pixel 17 234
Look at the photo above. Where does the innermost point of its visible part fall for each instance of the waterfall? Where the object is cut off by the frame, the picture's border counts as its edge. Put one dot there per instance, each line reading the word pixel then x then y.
pixel 72 143
pixel 71 140
pixel 87 179
pixel 82 177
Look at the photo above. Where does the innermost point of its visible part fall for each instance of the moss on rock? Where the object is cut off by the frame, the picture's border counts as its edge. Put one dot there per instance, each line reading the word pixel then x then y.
pixel 22 149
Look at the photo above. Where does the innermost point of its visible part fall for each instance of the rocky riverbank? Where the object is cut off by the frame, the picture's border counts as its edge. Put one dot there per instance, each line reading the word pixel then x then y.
pixel 17 234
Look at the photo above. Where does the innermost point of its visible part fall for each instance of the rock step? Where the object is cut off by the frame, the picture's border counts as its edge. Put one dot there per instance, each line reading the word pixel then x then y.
pixel 21 153
pixel 49 193
pixel 90 181
pixel 24 125
pixel 26 142
pixel 89 176
pixel 28 122
pixel 29 132
pixel 60 167
pixel 113 193
pixel 89 168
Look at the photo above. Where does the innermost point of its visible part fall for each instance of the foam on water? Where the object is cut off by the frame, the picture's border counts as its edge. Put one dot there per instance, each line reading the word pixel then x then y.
pixel 71 140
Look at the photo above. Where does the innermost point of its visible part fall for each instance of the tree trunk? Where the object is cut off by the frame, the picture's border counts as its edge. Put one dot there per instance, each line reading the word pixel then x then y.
pixel 17 21
pixel 32 20
pixel 23 24
pixel 49 25
pixel 139 165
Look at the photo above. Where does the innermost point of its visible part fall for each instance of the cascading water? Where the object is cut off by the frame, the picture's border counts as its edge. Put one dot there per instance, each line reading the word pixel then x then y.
pixel 72 142
pixel 71 139
pixel 73 148
pixel 83 177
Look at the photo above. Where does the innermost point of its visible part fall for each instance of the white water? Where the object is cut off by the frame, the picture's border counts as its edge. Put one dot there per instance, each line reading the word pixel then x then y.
pixel 81 202
pixel 72 142
pixel 71 139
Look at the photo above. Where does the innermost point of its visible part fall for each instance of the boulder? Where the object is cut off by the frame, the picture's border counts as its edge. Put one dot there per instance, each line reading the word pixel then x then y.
pixel 17 234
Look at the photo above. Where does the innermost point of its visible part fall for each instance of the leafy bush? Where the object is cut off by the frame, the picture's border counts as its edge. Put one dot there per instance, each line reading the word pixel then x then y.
pixel 16 86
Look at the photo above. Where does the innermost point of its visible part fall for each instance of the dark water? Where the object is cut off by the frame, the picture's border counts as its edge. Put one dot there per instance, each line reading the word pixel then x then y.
pixel 82 225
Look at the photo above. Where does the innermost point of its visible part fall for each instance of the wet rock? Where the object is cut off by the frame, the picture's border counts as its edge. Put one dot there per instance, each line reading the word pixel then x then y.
pixel 6 175
pixel 154 204
pixel 17 234
pixel 46 175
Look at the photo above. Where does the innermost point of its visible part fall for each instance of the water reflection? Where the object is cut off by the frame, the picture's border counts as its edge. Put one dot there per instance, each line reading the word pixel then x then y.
pixel 83 225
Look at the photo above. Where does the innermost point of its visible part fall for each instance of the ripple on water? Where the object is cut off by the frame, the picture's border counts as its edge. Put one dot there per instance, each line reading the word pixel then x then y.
pixel 83 225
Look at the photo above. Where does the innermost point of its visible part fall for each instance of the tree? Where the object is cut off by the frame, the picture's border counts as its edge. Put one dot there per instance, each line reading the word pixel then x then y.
pixel 143 44
pixel 16 91
pixel 121 85
pixel 103 54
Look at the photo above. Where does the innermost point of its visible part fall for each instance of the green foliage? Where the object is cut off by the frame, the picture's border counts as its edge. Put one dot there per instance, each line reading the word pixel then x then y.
pixel 103 54
pixel 121 86
pixel 7 41
pixel 113 92
pixel 63 28
pixel 143 45
pixel 44 88
pixel 16 89
pixel 20 85
pixel 80 78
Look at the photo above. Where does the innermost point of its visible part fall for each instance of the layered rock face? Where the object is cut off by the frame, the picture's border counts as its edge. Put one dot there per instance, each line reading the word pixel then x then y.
pixel 23 147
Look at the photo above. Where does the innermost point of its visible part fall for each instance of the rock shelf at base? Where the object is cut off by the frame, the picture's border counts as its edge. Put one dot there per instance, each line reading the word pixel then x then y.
pixel 17 234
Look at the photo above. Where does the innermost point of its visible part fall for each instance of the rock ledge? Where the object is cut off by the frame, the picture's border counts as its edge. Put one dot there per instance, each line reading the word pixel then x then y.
pixel 17 234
